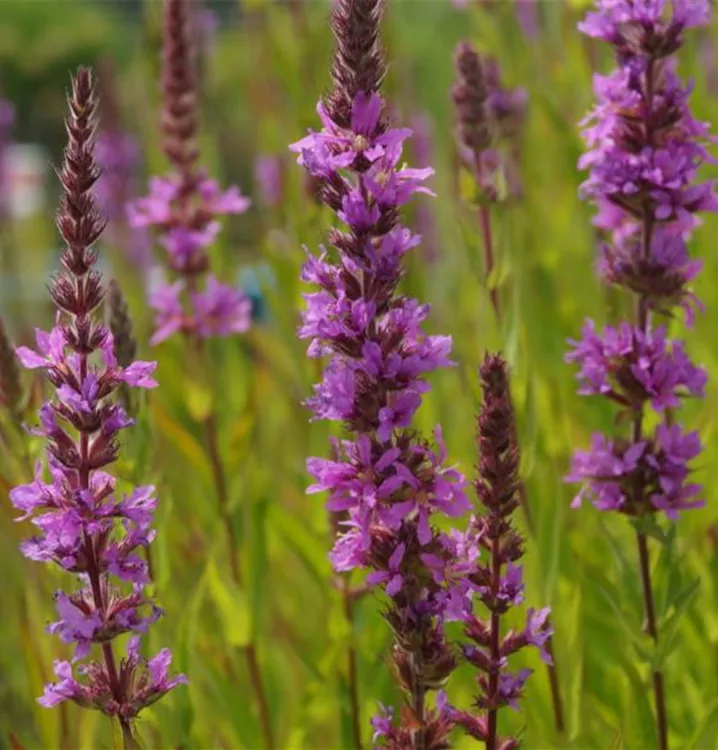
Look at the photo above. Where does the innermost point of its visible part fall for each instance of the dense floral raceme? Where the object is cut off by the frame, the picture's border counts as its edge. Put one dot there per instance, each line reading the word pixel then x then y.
pixel 495 577
pixel 86 526
pixel 644 152
pixel 390 482
pixel 185 206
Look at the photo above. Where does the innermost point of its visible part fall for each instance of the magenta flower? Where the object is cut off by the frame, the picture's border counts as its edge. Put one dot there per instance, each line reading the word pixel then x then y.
pixel 184 207
pixel 631 367
pixel 495 579
pixel 388 484
pixel 645 150
pixel 610 470
pixel 220 310
pixel 84 526
pixel 268 178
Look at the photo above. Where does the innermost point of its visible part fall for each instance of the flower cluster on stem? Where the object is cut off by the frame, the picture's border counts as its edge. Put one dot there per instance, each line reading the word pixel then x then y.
pixel 185 206
pixel 84 525
pixel 645 149
pixel 390 482
pixel 490 117
pixel 644 152
pixel 497 579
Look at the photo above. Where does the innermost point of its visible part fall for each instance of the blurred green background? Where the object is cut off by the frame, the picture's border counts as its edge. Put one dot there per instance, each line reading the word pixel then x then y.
pixel 263 69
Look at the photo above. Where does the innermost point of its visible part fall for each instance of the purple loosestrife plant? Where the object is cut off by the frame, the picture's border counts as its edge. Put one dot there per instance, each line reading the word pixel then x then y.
pixel 497 579
pixel 268 178
pixel 485 111
pixel 528 17
pixel 490 118
pixel 389 481
pixel 185 206
pixel 85 527
pixel 644 152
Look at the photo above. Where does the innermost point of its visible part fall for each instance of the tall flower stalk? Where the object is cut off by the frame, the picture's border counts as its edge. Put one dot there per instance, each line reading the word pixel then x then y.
pixel 184 208
pixel 391 482
pixel 645 149
pixel 487 113
pixel 483 110
pixel 85 527
pixel 497 579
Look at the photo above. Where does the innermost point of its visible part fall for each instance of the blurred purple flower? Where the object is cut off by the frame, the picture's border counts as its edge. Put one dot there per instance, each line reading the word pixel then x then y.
pixel 118 156
pixel 268 178
pixel 632 367
pixel 185 206
pixel 528 17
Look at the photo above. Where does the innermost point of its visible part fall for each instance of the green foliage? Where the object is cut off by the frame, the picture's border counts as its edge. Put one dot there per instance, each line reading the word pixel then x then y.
pixel 259 92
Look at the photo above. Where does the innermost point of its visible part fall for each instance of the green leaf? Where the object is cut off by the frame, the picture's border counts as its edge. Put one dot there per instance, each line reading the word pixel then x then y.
pixel 198 399
pixel 649 526
pixel 642 643
pixel 185 649
pixel 629 579
pixel 707 722
pixel 182 440
pixel 668 631
pixel 307 547
pixel 232 606
pixel 642 728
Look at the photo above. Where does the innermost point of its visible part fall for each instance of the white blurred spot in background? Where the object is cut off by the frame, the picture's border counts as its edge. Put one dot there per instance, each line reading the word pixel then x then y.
pixel 26 171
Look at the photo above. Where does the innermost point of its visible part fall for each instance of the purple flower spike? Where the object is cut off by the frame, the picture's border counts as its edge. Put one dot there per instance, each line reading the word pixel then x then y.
pixel 644 153
pixel 388 485
pixel 645 149
pixel 184 208
pixel 82 525
pixel 496 580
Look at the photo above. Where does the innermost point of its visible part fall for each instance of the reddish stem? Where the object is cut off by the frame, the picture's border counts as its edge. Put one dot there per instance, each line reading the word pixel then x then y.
pixel 418 699
pixel 495 650
pixel 353 676
pixel 488 240
pixel 643 316
pixel 93 571
pixel 651 629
